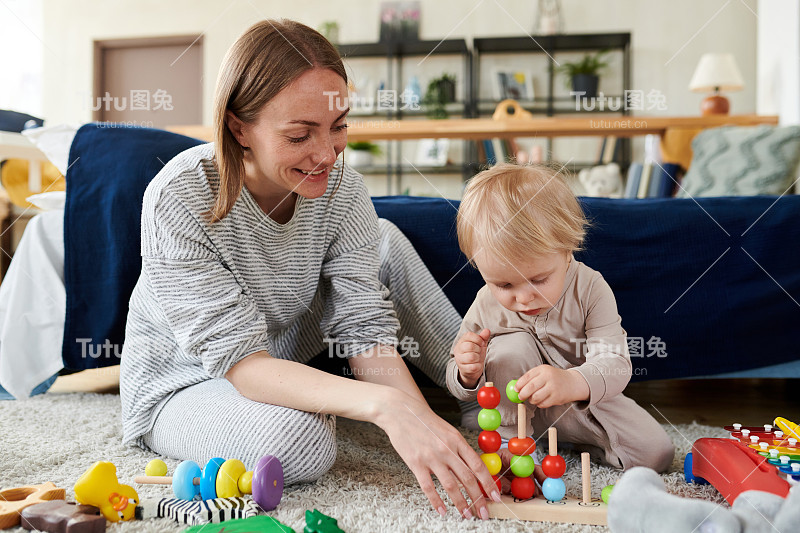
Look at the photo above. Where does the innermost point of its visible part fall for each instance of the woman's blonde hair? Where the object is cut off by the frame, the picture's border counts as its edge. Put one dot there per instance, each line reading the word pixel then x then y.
pixel 514 212
pixel 267 57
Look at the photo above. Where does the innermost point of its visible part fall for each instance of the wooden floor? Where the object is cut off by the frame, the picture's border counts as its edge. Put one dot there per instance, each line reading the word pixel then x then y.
pixel 714 402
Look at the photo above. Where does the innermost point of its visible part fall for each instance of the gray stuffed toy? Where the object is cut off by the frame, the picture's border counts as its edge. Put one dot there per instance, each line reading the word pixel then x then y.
pixel 640 502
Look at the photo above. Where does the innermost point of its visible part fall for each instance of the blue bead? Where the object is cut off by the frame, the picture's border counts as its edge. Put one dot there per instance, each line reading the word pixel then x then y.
pixel 183 481
pixel 208 482
pixel 554 489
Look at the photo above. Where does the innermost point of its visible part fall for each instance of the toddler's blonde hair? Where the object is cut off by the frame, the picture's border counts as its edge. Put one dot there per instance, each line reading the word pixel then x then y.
pixel 514 212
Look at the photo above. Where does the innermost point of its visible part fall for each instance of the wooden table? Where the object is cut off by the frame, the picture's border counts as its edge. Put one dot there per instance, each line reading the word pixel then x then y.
pixel 372 129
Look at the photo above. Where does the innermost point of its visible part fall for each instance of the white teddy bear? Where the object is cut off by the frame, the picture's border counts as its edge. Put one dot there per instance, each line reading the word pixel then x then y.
pixel 604 180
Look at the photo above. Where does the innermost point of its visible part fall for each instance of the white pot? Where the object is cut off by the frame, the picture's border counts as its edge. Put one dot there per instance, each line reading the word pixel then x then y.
pixel 359 158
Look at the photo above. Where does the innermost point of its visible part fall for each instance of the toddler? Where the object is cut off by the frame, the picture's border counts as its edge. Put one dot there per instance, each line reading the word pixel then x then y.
pixel 547 320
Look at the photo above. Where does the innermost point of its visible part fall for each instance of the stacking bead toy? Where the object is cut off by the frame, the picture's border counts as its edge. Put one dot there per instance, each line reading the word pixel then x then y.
pixel 489 440
pixel 521 447
pixel 554 467
pixel 225 479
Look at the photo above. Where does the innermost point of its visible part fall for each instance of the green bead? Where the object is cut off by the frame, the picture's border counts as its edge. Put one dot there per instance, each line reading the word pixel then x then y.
pixel 489 419
pixel 522 465
pixel 512 394
pixel 605 494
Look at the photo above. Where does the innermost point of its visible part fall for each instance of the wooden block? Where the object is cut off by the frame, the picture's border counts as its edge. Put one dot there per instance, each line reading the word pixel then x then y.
pixel 13 501
pixel 59 516
pixel 567 511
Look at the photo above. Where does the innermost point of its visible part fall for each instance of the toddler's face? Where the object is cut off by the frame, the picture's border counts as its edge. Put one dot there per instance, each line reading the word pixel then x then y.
pixel 530 288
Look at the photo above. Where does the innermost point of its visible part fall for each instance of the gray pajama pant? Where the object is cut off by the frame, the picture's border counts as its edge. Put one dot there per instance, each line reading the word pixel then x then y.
pixel 211 419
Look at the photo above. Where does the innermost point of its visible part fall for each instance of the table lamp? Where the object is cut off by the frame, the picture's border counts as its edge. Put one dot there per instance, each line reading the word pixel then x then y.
pixel 715 73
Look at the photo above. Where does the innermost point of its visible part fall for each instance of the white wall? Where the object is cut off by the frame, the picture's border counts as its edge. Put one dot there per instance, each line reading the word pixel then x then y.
pixel 21 54
pixel 779 59
pixel 668 37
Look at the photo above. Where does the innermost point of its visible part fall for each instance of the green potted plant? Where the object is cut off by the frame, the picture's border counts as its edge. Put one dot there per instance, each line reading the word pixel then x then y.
pixel 441 91
pixel 361 153
pixel 583 75
pixel 330 30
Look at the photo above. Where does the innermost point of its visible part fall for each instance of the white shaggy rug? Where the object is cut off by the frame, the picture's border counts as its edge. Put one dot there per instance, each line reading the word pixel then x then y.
pixel 56 437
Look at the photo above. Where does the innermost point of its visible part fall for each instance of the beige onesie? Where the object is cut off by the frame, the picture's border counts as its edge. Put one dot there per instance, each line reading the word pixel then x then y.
pixel 583 333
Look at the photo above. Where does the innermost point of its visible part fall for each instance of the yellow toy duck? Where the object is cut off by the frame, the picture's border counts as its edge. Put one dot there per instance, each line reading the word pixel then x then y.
pixel 99 486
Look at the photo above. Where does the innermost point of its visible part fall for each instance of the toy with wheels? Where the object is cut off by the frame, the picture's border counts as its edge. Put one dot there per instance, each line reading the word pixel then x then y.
pixel 225 479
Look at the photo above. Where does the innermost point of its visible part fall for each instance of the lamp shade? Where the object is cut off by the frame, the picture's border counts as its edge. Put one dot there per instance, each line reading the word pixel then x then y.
pixel 716 71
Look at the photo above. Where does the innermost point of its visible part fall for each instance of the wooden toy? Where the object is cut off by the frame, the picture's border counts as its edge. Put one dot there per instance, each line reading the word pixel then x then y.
pixel 586 510
pixel 521 447
pixel 99 486
pixel 567 510
pixel 194 513
pixel 225 479
pixel 754 458
pixel 553 466
pixel 13 501
pixel 58 516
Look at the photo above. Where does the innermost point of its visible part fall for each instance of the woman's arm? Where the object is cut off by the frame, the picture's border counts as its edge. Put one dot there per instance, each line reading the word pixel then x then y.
pixel 427 444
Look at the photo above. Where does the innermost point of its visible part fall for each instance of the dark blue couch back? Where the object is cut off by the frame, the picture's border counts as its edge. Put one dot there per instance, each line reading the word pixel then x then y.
pixel 716 280
pixel 703 286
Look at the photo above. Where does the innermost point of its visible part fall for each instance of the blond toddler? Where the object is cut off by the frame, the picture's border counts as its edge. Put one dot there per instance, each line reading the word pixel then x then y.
pixel 547 320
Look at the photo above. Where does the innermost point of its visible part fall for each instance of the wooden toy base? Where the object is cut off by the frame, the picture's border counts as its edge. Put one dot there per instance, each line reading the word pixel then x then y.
pixel 567 511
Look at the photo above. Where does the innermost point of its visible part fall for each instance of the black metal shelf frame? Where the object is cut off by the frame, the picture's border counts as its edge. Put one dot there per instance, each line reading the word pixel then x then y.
pixel 473 104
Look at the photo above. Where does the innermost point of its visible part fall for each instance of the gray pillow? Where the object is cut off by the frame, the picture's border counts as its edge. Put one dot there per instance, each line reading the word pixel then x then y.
pixel 742 161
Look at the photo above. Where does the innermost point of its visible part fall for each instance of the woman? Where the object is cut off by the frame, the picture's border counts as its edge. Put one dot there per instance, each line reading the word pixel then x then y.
pixel 256 251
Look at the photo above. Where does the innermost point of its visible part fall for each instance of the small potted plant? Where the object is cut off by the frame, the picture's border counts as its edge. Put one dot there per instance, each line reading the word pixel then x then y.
pixel 361 153
pixel 441 91
pixel 583 76
pixel 330 30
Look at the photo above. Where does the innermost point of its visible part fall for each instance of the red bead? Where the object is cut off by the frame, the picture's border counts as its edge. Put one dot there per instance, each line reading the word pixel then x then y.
pixel 554 466
pixel 519 446
pixel 489 397
pixel 522 488
pixel 496 481
pixel 489 441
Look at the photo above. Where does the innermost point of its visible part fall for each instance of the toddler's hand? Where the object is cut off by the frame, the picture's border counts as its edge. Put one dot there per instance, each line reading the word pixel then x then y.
pixel 545 386
pixel 470 353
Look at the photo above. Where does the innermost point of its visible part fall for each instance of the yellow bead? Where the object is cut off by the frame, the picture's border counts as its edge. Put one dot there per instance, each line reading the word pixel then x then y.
pixel 493 462
pixel 228 478
pixel 246 482
pixel 156 467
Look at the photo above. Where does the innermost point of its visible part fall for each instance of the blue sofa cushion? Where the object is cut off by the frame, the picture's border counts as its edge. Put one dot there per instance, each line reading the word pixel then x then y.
pixel 716 280
pixel 110 168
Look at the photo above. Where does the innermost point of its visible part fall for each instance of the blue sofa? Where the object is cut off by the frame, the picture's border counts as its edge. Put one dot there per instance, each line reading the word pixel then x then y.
pixel 704 287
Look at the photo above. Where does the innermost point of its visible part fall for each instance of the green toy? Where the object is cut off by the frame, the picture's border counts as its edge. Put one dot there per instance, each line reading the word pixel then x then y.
pixel 317 522
pixel 262 524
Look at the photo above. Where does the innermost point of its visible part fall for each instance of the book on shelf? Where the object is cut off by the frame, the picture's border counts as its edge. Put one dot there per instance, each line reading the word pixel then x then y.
pixel 632 182
pixel 610 150
pixel 488 149
pixel 651 180
pixel 644 181
pixel 499 150
pixel 657 177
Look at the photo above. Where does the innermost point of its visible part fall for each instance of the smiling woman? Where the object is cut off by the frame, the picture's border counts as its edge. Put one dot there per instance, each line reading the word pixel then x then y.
pixel 254 260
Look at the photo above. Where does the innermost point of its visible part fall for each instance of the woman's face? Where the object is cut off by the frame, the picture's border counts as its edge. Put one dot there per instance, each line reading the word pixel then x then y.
pixel 296 138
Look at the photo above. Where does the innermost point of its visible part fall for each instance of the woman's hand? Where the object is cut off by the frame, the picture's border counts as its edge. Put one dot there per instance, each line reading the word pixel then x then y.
pixel 545 386
pixel 431 446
